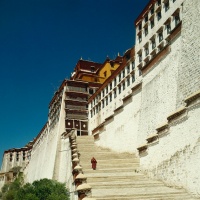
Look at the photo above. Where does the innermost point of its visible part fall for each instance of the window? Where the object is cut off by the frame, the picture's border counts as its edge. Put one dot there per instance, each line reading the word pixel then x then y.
pixel 128 81
pixel 127 56
pixel 17 156
pixel 128 69
pixel 168 28
pixel 174 1
pixel 97 109
pixel 146 31
pixel 115 93
pixel 124 85
pixel 10 157
pixel 152 10
pixel 102 103
pixel 160 36
pixel 140 26
pixel 110 86
pixel 166 6
pixel 110 97
pixel 91 114
pixel 140 57
pixel 123 73
pixel 153 42
pixel 146 51
pixel 103 93
pixel 24 155
pixel 159 2
pixel 119 77
pixel 106 89
pixel 140 38
pixel 159 16
pixel 133 78
pixel 146 18
pixel 94 110
pixel 91 91
pixel 92 68
pixel 177 19
pixel 119 89
pixel 152 23
pixel 115 82
pixel 133 65
pixel 105 73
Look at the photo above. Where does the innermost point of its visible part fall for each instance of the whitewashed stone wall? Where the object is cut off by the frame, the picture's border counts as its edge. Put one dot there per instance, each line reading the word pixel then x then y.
pixel 175 157
pixel 120 132
pixel 43 157
pixel 42 161
pixel 189 69
pixel 159 91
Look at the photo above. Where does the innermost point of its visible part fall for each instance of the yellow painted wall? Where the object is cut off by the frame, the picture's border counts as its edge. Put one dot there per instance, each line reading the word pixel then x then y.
pixel 88 78
pixel 107 68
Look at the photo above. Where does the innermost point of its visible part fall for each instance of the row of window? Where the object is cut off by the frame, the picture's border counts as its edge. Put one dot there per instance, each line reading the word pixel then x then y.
pixel 152 21
pixel 152 11
pixel 121 87
pixel 17 156
pixel 127 70
pixel 160 38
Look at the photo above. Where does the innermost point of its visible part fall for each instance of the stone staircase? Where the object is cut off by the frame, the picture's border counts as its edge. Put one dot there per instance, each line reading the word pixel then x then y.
pixel 117 176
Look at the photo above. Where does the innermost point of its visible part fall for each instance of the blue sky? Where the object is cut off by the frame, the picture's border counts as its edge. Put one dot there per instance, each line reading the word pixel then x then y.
pixel 40 44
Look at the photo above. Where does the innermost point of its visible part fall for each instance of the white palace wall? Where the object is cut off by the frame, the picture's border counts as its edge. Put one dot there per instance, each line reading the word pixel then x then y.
pixel 174 157
pixel 147 107
pixel 43 158
pixel 120 132
pixel 159 92
pixel 44 153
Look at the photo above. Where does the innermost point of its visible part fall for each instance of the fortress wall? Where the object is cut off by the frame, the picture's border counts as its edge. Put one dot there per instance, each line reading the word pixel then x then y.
pixel 63 153
pixel 42 160
pixel 120 132
pixel 43 163
pixel 189 69
pixel 159 91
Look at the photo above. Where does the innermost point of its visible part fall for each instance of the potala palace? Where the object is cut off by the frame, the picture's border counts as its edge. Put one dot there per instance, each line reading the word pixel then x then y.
pixel 137 114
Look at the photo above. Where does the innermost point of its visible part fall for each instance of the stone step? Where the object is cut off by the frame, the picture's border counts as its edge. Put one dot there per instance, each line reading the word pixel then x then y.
pixel 117 176
pixel 146 197
pixel 115 170
pixel 124 185
pixel 134 183
pixel 111 161
pixel 144 191
pixel 101 166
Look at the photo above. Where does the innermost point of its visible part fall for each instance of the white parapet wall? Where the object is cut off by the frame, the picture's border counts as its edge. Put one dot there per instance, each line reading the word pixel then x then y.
pixel 45 156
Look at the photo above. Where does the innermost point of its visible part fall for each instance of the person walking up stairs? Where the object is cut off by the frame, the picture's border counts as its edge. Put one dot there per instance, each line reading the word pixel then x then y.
pixel 117 176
